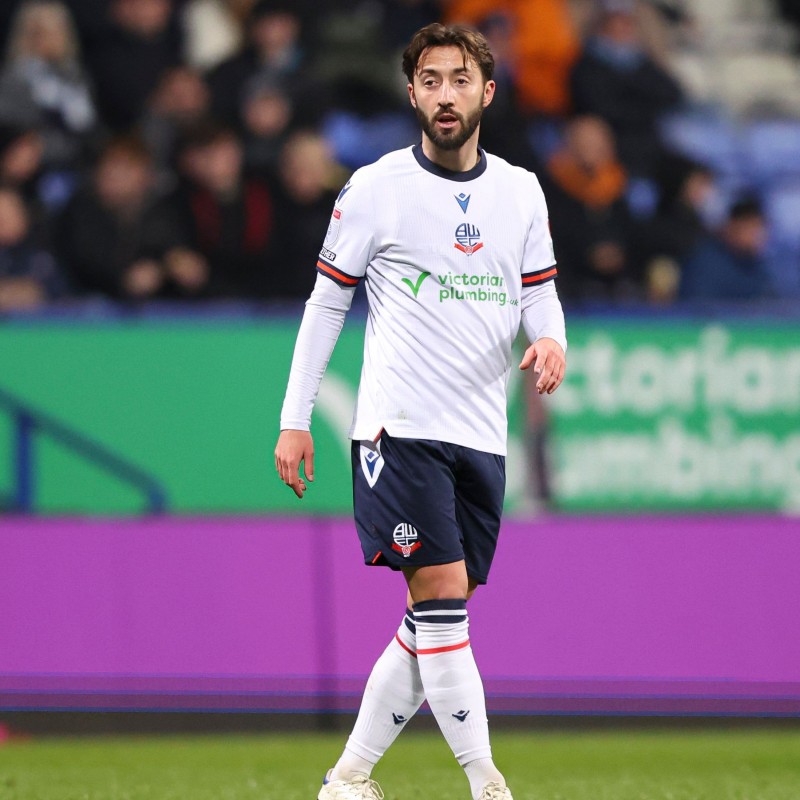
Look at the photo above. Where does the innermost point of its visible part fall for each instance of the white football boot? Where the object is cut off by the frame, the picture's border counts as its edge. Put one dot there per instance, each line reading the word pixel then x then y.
pixel 495 791
pixel 359 788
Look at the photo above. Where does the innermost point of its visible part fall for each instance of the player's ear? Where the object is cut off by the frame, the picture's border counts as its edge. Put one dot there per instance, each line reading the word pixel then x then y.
pixel 411 95
pixel 488 93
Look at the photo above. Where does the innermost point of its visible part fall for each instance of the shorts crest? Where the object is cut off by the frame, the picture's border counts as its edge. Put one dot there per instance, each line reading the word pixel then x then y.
pixel 406 539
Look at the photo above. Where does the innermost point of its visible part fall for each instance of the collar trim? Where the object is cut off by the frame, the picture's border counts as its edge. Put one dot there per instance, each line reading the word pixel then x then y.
pixel 449 174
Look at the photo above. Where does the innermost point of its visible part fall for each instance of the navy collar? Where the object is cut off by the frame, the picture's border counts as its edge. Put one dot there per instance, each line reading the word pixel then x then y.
pixel 449 174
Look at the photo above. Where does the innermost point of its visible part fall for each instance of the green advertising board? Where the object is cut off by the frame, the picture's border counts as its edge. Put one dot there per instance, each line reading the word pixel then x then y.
pixel 669 416
pixel 679 416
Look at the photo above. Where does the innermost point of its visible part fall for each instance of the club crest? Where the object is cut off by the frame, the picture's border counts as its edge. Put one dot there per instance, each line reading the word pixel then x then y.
pixel 406 539
pixel 468 239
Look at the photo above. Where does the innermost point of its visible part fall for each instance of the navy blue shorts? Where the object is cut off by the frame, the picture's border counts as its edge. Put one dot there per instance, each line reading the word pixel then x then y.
pixel 420 502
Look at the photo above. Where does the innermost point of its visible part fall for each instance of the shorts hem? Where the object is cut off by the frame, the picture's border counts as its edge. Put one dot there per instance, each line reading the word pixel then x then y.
pixel 382 561
pixel 481 580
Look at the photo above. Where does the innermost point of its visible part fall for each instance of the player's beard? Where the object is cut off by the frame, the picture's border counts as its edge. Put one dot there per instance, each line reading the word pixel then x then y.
pixel 457 136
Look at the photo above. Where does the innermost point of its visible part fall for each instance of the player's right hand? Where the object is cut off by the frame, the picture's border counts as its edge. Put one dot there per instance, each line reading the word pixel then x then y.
pixel 292 448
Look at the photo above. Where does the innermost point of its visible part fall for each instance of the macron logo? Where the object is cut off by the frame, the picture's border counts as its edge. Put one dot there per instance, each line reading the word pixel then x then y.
pixel 372 458
pixel 345 190
pixel 461 715
pixel 463 200
pixel 399 719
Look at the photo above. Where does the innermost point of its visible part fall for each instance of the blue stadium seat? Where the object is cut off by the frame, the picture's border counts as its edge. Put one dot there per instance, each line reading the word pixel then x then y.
pixel 771 150
pixel 705 136
pixel 782 208
pixel 358 140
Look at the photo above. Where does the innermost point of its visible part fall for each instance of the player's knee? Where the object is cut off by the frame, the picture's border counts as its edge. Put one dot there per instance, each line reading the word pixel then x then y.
pixel 445 582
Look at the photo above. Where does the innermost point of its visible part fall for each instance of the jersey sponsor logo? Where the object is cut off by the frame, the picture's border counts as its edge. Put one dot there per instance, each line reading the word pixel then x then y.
pixel 486 288
pixel 406 539
pixel 328 254
pixel 468 238
pixel 414 285
pixel 463 200
pixel 333 228
pixel 371 461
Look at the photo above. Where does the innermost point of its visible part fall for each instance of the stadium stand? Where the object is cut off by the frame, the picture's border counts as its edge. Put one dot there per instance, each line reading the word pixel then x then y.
pixel 273 69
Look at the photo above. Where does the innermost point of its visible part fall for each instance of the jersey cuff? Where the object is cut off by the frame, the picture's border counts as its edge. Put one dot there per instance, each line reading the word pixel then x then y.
pixel 329 271
pixel 539 276
pixel 287 424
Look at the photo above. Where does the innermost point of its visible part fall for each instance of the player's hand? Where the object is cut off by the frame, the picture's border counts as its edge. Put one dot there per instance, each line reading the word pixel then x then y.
pixel 292 448
pixel 549 363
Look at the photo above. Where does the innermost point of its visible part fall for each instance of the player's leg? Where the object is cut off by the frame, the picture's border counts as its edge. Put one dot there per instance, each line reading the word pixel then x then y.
pixel 392 696
pixel 450 676
pixel 394 690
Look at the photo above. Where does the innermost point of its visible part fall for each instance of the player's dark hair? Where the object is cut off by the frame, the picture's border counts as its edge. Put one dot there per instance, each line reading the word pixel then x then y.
pixel 473 46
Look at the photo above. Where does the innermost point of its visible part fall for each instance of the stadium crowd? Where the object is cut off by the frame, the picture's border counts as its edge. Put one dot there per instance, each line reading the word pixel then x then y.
pixel 192 149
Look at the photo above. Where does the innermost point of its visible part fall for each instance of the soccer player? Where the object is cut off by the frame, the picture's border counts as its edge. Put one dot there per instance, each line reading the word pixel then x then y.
pixel 453 244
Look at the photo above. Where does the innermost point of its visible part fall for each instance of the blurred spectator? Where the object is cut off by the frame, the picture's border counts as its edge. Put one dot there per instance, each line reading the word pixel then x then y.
pixel 730 265
pixel 21 161
pixel 790 10
pixel 127 62
pixel 229 213
pixel 544 45
pixel 119 237
pixel 363 121
pixel 44 84
pixel 29 275
pixel 308 183
pixel 266 116
pixel 585 186
pixel 8 10
pixel 403 18
pixel 687 189
pixel 91 19
pixel 273 54
pixel 214 30
pixel 181 100
pixel 617 80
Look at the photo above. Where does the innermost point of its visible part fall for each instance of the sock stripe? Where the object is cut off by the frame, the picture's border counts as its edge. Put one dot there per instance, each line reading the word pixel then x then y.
pixel 439 606
pixel 404 645
pixel 449 648
pixel 410 625
pixel 441 619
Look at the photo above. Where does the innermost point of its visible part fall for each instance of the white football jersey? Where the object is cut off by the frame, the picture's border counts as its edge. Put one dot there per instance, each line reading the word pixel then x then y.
pixel 450 260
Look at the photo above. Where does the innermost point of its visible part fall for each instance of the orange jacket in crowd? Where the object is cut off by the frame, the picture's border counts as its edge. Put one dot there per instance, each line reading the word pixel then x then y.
pixel 545 44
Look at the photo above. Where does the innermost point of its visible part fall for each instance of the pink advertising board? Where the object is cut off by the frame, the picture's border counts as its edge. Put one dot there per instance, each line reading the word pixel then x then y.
pixel 639 615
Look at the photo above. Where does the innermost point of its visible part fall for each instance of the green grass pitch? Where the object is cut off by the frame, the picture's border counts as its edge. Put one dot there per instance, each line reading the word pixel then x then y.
pixel 730 764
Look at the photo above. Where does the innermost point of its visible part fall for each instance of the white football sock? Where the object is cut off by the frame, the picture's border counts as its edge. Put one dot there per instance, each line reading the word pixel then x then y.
pixel 479 773
pixel 453 686
pixel 393 694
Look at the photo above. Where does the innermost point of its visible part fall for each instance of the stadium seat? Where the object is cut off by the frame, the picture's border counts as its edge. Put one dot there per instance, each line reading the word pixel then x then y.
pixel 782 207
pixel 358 140
pixel 771 150
pixel 709 137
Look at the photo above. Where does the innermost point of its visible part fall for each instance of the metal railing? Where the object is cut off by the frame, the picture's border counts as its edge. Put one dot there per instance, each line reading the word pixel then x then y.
pixel 27 422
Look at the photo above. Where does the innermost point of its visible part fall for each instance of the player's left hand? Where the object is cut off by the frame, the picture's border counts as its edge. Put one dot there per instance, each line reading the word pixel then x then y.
pixel 549 363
